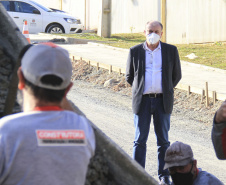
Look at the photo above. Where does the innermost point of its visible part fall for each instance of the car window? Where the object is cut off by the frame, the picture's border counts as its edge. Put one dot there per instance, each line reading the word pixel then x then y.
pixel 23 7
pixel 6 4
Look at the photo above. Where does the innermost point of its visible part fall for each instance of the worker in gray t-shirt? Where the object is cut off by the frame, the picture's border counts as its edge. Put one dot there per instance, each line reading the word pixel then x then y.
pixel 183 167
pixel 45 144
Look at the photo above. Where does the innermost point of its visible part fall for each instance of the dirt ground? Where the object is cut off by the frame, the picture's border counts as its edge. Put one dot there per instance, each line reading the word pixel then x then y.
pixel 108 105
pixel 186 105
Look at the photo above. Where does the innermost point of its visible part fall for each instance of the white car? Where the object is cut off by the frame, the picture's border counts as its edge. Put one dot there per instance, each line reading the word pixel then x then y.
pixel 40 18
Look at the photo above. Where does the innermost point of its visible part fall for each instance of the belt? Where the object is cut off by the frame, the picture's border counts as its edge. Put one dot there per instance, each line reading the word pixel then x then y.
pixel 154 95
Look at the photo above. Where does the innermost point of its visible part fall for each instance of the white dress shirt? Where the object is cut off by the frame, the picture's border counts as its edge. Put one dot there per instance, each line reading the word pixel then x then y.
pixel 153 70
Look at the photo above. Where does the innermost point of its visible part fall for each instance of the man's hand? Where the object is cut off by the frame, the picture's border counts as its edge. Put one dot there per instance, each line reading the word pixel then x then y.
pixel 221 113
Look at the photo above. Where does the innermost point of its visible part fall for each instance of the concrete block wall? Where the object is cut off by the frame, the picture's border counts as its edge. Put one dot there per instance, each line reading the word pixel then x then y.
pixel 6 67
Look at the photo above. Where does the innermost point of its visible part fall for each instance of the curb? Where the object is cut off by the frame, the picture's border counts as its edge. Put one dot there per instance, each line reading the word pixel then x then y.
pixel 69 40
pixel 208 68
pixel 190 89
pixel 182 61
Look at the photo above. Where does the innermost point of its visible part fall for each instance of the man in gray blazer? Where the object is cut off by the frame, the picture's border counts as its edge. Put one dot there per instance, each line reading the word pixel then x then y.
pixel 153 69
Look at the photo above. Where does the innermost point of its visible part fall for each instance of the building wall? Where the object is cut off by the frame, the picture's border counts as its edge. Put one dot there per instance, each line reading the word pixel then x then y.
pixel 196 21
pixel 75 8
pixel 187 21
pixel 89 16
pixel 50 3
pixel 131 15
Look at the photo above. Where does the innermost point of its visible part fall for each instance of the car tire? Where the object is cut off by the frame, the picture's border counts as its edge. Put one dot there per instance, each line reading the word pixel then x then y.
pixel 55 28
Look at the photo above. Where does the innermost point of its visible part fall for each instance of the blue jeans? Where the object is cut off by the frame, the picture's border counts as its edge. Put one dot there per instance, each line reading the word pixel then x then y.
pixel 142 120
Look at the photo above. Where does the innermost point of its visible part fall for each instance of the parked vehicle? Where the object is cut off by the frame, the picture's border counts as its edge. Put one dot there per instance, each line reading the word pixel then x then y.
pixel 41 18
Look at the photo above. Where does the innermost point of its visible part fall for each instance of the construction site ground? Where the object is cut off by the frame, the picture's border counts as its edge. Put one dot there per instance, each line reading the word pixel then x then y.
pixel 108 106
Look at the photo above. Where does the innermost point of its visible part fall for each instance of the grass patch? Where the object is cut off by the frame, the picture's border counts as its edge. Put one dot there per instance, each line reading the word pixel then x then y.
pixel 213 55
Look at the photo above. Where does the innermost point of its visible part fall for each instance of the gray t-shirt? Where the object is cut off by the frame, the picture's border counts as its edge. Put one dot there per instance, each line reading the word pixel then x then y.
pixel 205 178
pixel 45 147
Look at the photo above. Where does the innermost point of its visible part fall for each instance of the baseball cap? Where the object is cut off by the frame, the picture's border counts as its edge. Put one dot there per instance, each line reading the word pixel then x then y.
pixel 47 59
pixel 178 154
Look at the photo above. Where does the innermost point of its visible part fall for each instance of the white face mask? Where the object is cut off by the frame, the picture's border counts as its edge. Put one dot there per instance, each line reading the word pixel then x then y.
pixel 153 38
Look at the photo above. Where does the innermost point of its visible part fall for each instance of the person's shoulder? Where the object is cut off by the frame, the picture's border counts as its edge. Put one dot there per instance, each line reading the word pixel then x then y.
pixel 137 46
pixel 168 45
pixel 80 120
pixel 205 177
pixel 12 124
pixel 10 119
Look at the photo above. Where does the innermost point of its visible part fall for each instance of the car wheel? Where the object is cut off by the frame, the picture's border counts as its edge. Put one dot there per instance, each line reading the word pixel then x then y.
pixel 55 28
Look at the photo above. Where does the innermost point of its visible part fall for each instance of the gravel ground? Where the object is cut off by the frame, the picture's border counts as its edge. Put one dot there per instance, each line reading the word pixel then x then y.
pixel 189 106
pixel 106 100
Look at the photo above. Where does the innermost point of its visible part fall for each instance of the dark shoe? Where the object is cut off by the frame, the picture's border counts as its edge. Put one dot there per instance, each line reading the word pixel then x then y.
pixel 164 181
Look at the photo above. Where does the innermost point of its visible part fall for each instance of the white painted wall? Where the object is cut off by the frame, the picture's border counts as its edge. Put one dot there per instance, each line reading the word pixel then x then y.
pixel 75 7
pixel 128 14
pixel 187 21
pixel 93 9
pixel 196 21
pixel 50 3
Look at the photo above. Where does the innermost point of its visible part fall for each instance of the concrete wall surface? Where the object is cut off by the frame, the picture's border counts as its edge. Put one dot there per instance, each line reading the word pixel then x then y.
pixel 11 43
pixel 187 21
pixel 50 3
pixel 195 21
pixel 131 15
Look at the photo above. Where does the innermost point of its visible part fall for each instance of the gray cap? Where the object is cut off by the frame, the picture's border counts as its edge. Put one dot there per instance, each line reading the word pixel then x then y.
pixel 178 154
pixel 47 59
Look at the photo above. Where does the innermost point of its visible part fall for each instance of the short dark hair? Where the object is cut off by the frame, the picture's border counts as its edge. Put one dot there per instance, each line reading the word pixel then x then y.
pixel 47 95
pixel 156 21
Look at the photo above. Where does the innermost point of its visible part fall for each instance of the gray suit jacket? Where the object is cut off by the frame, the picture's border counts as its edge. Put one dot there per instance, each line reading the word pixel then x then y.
pixel 171 74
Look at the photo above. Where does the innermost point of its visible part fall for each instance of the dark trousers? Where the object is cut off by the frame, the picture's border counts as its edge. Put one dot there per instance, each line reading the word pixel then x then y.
pixel 142 120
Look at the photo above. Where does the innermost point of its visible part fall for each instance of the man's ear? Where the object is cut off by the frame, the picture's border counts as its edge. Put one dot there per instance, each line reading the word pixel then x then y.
pixel 144 33
pixel 67 89
pixel 195 163
pixel 20 75
pixel 161 34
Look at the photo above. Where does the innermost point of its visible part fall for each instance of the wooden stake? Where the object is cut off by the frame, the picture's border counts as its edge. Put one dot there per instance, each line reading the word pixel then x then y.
pixel 81 58
pixel 73 58
pixel 214 97
pixel 119 70
pixel 110 69
pixel 202 95
pixel 98 66
pixel 207 95
pixel 189 90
